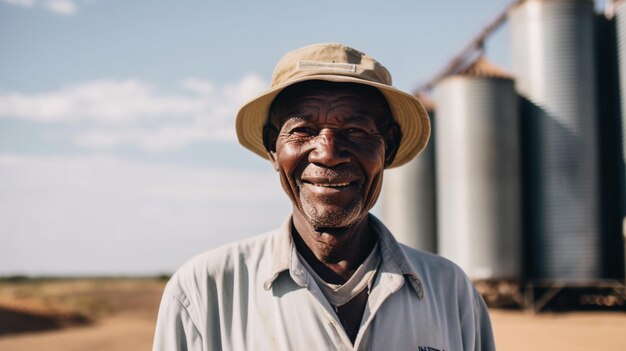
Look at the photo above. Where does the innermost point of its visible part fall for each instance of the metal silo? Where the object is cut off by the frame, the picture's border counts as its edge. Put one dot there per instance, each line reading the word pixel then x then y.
pixel 620 31
pixel 553 61
pixel 408 197
pixel 620 18
pixel 477 152
pixel 611 161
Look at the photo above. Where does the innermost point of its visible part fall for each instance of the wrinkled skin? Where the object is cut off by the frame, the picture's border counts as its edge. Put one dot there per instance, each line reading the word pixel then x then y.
pixel 330 144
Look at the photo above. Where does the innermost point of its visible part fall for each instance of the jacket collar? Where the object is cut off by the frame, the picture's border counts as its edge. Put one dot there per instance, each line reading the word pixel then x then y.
pixel 282 250
pixel 394 257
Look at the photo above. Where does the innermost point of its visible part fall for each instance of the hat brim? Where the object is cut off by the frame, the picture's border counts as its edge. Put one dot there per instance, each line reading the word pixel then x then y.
pixel 406 109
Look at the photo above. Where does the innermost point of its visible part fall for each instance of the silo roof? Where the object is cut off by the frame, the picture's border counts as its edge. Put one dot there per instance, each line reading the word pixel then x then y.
pixel 485 69
pixel 427 101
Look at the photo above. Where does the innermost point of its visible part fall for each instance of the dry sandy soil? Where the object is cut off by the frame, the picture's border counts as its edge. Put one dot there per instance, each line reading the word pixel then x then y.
pixel 122 314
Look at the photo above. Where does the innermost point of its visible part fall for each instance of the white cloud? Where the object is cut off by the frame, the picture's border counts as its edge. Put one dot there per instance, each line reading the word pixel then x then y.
pixel 61 7
pixel 111 113
pixel 104 214
pixel 23 3
pixel 164 137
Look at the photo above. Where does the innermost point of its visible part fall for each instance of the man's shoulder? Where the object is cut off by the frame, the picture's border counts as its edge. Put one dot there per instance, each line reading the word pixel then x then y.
pixel 429 267
pixel 214 266
pixel 421 258
pixel 219 259
pixel 434 268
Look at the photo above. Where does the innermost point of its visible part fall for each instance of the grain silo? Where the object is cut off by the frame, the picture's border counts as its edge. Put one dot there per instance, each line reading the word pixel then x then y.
pixel 408 196
pixel 478 204
pixel 620 32
pixel 620 19
pixel 554 66
pixel 611 161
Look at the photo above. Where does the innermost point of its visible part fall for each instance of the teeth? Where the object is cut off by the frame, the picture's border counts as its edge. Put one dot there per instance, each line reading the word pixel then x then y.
pixel 332 185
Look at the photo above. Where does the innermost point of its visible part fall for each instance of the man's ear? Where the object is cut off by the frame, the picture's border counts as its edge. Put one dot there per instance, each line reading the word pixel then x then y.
pixel 270 134
pixel 393 136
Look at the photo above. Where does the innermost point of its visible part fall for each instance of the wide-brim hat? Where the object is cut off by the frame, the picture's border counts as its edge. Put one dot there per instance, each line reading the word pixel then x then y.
pixel 334 62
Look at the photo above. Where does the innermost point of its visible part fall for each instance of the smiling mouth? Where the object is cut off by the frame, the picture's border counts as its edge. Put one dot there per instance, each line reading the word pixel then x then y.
pixel 330 185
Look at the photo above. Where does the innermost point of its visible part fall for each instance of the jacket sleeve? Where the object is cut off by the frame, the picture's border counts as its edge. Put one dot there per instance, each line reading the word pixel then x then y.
pixel 175 329
pixel 483 332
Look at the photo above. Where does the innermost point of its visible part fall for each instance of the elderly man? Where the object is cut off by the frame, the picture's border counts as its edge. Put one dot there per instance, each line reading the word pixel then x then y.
pixel 332 277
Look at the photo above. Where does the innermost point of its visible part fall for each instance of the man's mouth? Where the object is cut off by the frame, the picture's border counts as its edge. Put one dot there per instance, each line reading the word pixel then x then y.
pixel 330 185
pixel 325 181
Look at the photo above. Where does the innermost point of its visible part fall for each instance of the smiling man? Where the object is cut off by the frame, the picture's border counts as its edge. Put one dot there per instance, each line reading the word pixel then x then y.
pixel 332 277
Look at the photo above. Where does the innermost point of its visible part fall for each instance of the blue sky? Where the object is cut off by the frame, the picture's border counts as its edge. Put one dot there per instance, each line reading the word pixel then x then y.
pixel 117 145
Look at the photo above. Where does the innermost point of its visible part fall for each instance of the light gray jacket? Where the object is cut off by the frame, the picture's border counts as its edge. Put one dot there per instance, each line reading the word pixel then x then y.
pixel 256 295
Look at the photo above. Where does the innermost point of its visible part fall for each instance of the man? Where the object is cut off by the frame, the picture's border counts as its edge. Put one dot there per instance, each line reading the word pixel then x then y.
pixel 332 277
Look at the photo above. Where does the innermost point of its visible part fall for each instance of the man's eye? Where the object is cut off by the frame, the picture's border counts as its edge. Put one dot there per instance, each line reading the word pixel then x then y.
pixel 355 132
pixel 302 131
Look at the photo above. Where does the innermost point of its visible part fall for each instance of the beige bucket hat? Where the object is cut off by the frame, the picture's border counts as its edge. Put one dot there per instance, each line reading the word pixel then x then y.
pixel 335 62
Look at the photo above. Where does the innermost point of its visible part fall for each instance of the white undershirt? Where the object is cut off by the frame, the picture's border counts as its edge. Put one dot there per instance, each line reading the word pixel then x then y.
pixel 340 294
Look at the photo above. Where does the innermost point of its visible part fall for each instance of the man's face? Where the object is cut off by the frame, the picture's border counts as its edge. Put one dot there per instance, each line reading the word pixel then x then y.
pixel 330 152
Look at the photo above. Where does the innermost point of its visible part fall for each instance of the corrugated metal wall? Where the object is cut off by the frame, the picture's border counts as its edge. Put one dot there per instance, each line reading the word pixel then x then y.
pixel 611 162
pixel 620 32
pixel 620 18
pixel 477 173
pixel 408 197
pixel 554 65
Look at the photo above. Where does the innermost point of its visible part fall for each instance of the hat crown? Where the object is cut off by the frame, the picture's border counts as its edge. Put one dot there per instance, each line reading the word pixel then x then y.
pixel 329 58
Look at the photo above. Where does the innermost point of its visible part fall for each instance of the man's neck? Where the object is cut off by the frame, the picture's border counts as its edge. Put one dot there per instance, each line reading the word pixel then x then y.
pixel 334 253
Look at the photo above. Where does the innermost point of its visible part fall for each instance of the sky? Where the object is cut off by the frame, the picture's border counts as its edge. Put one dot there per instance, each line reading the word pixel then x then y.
pixel 117 146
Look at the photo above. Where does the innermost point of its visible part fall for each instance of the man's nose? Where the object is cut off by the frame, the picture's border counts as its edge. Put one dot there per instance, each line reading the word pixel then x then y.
pixel 328 151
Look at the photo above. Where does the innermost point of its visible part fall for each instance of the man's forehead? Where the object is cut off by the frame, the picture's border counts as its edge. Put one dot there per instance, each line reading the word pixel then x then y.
pixel 363 119
pixel 330 89
pixel 366 100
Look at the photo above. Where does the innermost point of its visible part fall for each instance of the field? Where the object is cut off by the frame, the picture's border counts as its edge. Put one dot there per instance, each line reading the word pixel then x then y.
pixel 119 314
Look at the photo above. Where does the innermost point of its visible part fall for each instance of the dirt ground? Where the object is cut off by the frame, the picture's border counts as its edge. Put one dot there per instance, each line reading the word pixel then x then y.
pixel 123 314
pixel 573 331
pixel 120 314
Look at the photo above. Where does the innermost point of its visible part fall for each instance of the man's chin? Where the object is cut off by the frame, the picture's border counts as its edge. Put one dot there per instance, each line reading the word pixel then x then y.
pixel 333 221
